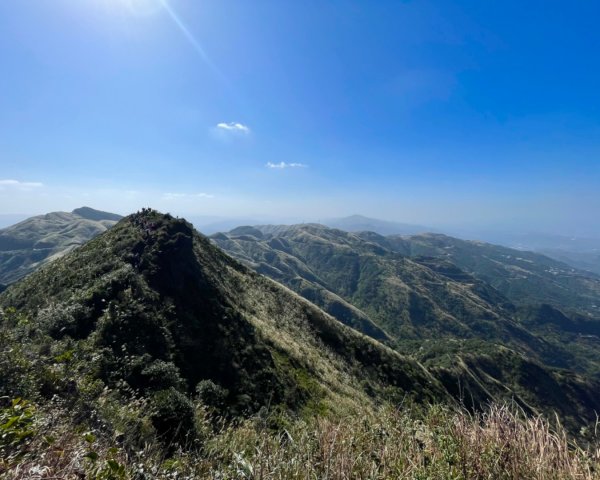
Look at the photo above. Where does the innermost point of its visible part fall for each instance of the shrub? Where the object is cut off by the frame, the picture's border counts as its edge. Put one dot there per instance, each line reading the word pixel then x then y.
pixel 211 394
pixel 161 375
pixel 173 417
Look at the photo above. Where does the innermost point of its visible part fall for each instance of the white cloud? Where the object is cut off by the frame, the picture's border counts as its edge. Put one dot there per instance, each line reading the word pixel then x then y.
pixel 17 185
pixel 233 127
pixel 285 165
pixel 176 196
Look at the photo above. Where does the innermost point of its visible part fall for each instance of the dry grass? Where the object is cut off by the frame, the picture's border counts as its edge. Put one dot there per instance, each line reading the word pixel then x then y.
pixel 500 443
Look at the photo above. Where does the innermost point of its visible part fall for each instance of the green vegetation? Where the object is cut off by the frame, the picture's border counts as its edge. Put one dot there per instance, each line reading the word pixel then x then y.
pixel 150 353
pixel 16 425
pixel 150 314
pixel 525 278
pixel 390 296
pixel 425 443
pixel 464 330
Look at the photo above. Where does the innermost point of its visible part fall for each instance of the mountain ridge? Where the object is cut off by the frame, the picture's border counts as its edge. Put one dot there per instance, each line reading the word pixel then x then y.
pixel 402 301
pixel 152 292
pixel 429 308
pixel 38 240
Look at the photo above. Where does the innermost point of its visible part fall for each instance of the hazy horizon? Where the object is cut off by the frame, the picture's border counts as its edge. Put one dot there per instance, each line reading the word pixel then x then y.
pixel 494 233
pixel 449 115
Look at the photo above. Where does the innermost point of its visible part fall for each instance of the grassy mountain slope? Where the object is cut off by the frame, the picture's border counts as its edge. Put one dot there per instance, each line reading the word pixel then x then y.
pixel 144 349
pixel 541 287
pixel 589 261
pixel 523 277
pixel 150 353
pixel 153 307
pixel 457 324
pixel 38 240
pixel 408 299
pixel 271 259
pixel 151 310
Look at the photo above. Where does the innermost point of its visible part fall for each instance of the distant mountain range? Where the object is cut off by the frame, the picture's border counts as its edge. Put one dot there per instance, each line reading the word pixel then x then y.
pixel 579 252
pixel 154 307
pixel 32 243
pixel 582 253
pixel 497 323
pixel 482 313
pixel 360 223
pixel 523 277
pixel 208 224
pixel 589 260
pixel 353 223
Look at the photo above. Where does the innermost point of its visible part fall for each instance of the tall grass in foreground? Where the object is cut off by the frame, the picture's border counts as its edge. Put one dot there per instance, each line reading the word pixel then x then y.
pixel 500 443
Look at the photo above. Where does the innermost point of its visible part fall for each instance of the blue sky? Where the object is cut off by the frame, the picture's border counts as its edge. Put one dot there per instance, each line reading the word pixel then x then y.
pixel 433 112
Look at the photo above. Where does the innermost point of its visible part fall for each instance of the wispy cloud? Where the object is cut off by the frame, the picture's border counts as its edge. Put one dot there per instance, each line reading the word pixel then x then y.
pixel 18 185
pixel 235 127
pixel 285 165
pixel 176 196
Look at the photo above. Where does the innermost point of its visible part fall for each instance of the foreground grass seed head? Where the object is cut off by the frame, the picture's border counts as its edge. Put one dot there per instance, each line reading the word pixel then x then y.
pixel 500 443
